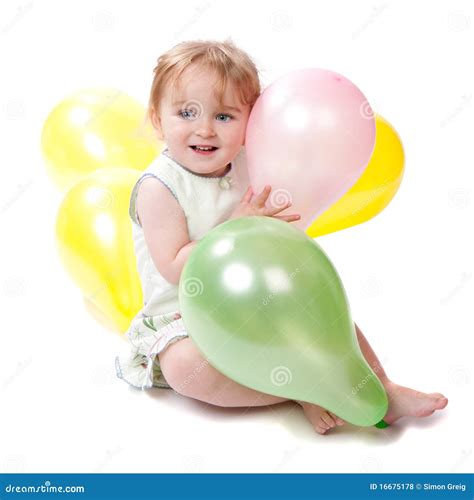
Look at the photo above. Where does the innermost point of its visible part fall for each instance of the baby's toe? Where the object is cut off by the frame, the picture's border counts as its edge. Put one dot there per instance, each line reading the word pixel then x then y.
pixel 441 402
pixel 338 420
pixel 321 426
pixel 438 400
pixel 328 420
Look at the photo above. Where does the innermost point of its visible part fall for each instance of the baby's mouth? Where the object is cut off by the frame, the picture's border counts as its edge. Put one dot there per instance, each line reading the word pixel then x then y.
pixel 204 149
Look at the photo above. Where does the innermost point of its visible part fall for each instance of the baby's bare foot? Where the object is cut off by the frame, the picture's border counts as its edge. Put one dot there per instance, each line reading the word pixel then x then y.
pixel 321 419
pixel 405 402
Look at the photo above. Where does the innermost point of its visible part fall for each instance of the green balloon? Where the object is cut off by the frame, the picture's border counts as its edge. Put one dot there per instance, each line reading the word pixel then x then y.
pixel 266 307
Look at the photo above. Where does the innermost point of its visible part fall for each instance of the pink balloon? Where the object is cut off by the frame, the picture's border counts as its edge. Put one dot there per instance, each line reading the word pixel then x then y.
pixel 310 136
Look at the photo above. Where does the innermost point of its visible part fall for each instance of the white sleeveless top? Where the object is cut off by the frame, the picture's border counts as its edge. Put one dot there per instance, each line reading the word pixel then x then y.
pixel 205 201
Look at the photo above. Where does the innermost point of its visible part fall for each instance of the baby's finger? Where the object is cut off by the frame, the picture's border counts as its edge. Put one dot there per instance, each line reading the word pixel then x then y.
pixel 248 195
pixel 278 209
pixel 263 196
pixel 288 218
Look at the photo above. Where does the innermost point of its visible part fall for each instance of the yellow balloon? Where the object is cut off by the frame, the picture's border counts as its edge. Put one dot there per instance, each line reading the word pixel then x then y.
pixel 95 243
pixel 96 128
pixel 374 189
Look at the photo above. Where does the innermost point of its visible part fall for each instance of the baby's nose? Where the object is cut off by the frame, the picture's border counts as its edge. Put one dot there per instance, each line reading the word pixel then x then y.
pixel 205 129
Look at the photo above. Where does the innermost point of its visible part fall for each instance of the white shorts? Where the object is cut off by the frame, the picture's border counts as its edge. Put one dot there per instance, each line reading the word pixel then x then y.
pixel 148 336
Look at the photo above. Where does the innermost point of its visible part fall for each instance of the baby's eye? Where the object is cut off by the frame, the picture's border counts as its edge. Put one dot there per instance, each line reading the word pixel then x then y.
pixel 222 117
pixel 187 113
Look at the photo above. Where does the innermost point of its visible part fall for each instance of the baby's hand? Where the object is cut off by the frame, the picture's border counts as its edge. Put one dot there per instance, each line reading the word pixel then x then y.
pixel 247 207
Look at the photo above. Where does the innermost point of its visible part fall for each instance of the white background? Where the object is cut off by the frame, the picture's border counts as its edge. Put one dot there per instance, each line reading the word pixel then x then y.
pixel 408 272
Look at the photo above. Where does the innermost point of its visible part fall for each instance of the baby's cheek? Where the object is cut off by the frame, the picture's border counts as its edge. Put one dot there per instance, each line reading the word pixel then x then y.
pixel 238 136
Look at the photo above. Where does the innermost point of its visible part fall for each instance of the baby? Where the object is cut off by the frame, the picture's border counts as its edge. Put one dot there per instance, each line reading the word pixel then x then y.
pixel 200 101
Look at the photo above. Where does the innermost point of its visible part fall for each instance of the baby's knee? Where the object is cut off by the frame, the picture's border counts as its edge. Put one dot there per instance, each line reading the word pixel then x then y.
pixel 186 370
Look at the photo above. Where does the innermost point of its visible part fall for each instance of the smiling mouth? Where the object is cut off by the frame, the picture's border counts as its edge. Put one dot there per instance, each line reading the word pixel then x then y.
pixel 203 149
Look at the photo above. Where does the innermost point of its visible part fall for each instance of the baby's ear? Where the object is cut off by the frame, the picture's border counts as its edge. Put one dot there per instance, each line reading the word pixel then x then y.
pixel 156 122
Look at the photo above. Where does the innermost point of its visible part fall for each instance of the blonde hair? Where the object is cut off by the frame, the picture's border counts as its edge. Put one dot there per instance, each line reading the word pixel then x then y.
pixel 228 61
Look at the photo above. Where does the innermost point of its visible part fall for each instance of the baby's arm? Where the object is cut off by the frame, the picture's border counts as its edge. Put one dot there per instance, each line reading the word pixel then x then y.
pixel 164 227
pixel 166 231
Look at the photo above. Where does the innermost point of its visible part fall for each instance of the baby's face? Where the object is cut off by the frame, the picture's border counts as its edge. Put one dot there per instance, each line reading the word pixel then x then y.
pixel 202 134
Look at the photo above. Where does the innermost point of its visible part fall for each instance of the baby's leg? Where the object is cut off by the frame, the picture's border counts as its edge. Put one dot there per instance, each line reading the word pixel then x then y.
pixel 190 374
pixel 402 401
